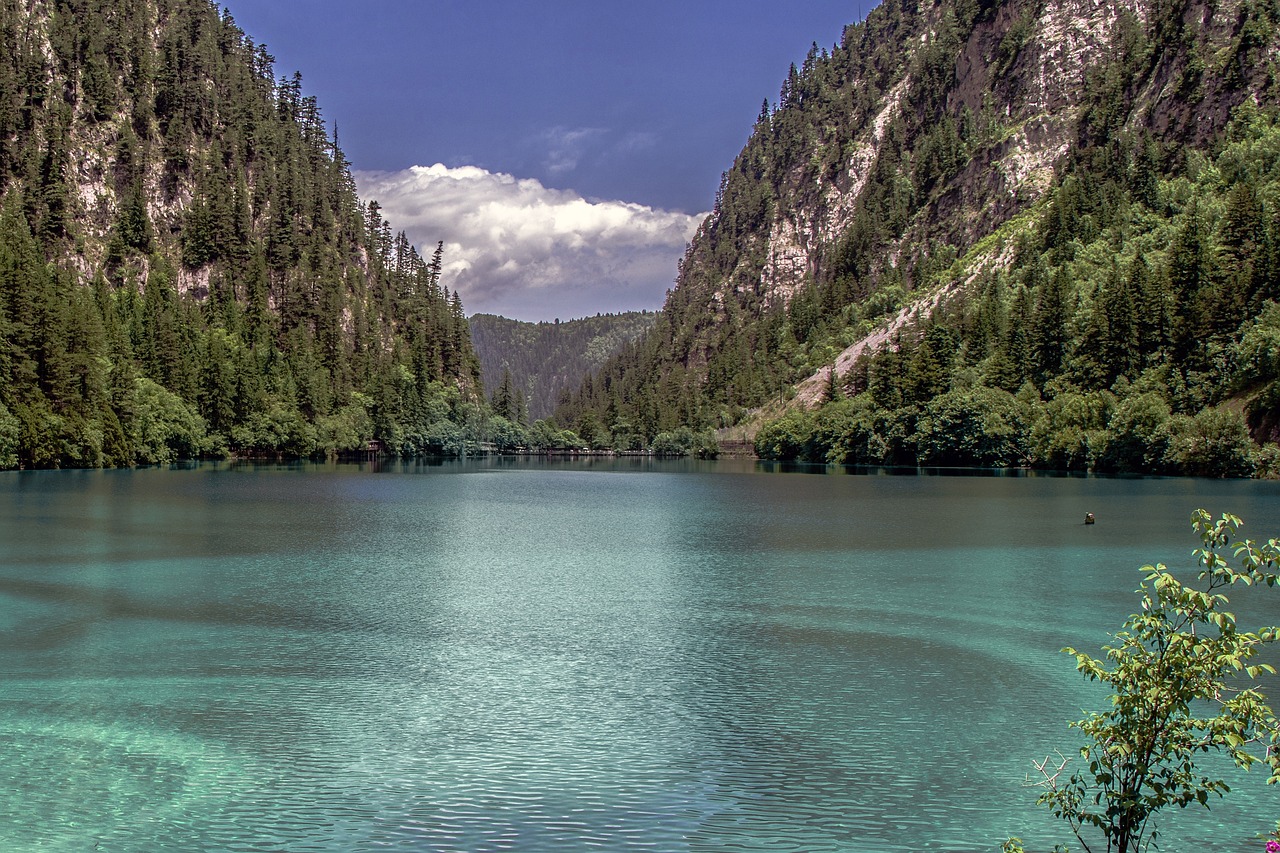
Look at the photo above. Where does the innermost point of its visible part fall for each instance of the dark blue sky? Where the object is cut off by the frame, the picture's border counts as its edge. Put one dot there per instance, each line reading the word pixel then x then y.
pixel 645 103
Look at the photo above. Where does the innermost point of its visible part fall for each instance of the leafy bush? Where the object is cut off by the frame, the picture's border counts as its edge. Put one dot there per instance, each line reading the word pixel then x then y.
pixel 976 426
pixel 628 442
pixel 1214 443
pixel 1073 433
pixel 1138 435
pixel 348 429
pixel 685 442
pixel 163 428
pixel 790 437
pixel 846 432
pixel 279 428
pixel 1176 673
pixel 438 438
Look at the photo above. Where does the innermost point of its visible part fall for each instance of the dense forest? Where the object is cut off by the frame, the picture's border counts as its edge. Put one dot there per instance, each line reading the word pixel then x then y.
pixel 1151 346
pixel 1066 272
pixel 534 363
pixel 185 267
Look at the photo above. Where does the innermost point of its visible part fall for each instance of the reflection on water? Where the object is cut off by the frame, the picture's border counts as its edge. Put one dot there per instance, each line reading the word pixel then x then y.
pixel 570 655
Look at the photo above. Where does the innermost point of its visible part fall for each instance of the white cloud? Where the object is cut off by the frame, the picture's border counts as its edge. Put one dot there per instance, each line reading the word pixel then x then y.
pixel 567 146
pixel 518 248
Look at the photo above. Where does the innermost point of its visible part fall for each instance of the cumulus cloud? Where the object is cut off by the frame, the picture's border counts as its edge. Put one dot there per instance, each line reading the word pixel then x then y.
pixel 518 248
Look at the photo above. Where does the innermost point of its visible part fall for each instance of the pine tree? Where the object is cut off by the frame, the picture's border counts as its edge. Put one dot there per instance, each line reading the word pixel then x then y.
pixel 1241 240
pixel 1012 363
pixel 832 391
pixel 928 371
pixel 1049 326
pixel 504 398
pixel 24 287
pixel 1189 271
pixel 988 326
pixel 1121 352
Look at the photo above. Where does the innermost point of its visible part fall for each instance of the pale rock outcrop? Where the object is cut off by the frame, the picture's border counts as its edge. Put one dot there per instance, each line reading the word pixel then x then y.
pixel 1067 38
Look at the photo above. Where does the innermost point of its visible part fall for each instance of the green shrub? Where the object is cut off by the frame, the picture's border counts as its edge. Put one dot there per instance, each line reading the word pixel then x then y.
pixel 975 426
pixel 1179 674
pixel 790 437
pixel 1214 443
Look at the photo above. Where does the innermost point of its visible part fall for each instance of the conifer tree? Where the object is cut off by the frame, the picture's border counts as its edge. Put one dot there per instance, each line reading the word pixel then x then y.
pixel 1190 276
pixel 1049 325
pixel 1120 347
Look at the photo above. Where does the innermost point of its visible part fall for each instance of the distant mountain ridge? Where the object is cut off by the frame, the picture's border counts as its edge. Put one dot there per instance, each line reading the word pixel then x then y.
pixel 544 360
pixel 954 206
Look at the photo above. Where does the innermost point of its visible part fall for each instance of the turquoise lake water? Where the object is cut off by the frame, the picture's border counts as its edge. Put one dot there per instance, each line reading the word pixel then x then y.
pixel 595 655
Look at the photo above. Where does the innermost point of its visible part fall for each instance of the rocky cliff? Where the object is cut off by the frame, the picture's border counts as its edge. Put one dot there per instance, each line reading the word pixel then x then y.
pixel 968 122
pixel 944 150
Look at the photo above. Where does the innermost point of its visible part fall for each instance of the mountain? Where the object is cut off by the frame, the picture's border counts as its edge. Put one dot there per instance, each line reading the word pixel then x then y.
pixel 185 267
pixel 539 361
pixel 1036 232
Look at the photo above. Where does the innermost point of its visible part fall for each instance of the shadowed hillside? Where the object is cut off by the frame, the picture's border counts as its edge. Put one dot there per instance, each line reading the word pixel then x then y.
pixel 540 361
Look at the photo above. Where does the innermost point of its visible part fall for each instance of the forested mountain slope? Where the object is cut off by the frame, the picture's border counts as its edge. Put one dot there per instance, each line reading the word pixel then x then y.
pixel 531 364
pixel 1077 200
pixel 185 267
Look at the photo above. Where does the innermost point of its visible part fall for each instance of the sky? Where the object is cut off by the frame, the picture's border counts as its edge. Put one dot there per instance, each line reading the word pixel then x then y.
pixel 565 151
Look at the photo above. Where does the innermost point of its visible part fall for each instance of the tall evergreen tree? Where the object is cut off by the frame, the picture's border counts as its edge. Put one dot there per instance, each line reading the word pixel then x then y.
pixel 1049 325
pixel 1121 347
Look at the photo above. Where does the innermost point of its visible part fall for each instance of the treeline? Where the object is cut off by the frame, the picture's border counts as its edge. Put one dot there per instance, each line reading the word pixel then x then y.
pixel 185 267
pixel 538 362
pixel 505 430
pixel 1135 329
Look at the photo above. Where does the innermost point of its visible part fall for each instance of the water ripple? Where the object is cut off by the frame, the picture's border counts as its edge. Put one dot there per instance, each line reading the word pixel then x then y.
pixel 546 660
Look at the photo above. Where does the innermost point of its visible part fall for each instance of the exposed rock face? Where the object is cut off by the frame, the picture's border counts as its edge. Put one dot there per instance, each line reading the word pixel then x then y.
pixel 1042 92
pixel 930 127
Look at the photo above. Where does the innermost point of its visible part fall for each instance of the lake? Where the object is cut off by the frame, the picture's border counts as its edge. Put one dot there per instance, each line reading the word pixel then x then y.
pixel 567 656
